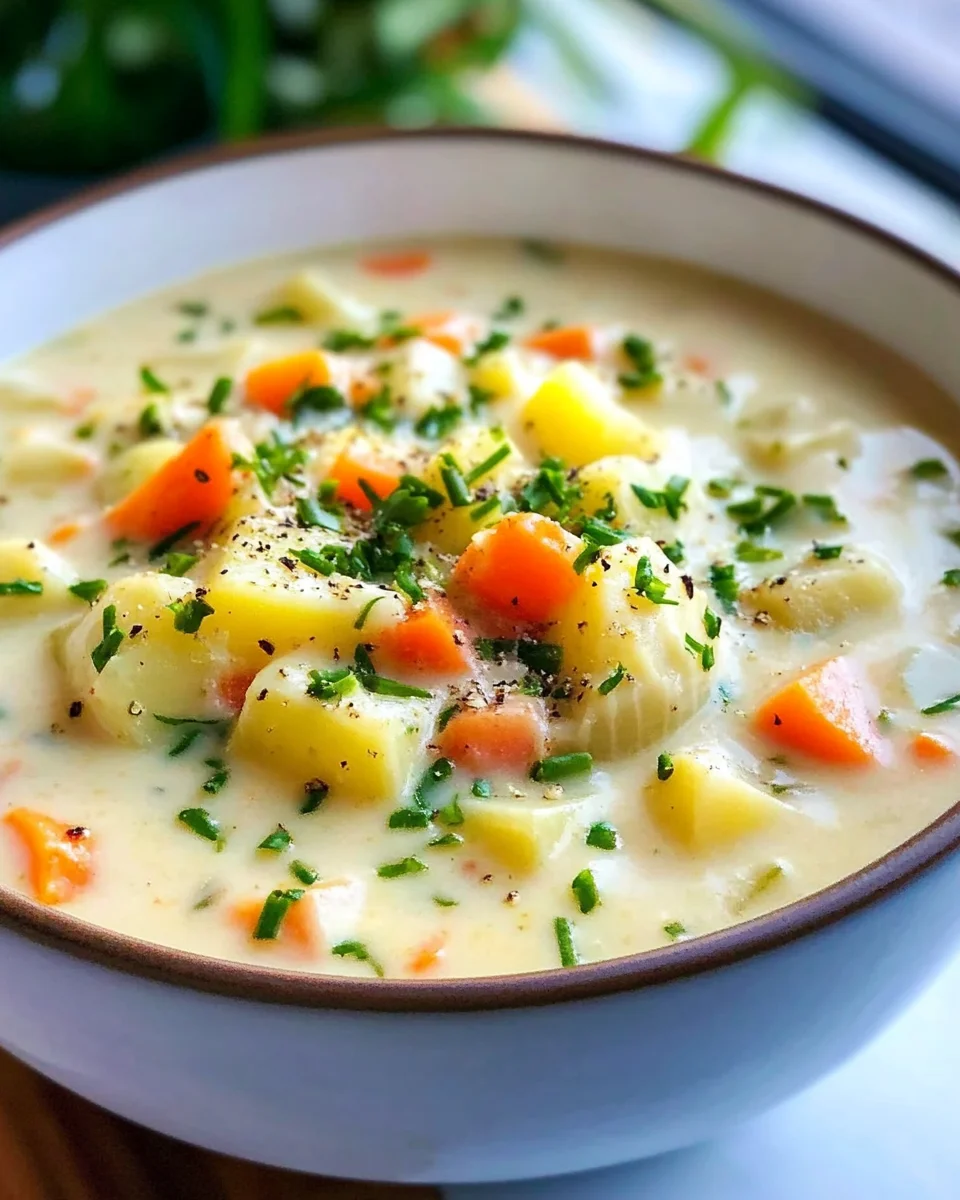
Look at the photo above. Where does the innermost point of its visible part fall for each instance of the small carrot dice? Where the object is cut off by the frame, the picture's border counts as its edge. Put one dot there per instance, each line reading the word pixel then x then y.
pixel 60 857
pixel 272 385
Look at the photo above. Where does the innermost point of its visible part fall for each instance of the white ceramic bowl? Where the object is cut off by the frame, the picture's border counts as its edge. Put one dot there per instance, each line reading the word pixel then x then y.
pixel 505 1077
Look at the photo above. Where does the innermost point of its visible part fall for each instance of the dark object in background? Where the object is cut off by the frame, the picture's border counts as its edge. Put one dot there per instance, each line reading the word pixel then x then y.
pixel 889 70
pixel 92 86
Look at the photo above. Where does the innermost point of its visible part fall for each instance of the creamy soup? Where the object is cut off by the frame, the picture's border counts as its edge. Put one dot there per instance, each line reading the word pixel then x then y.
pixel 467 608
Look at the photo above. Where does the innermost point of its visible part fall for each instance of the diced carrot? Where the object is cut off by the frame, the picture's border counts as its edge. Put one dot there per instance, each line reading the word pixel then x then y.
pixel 272 385
pixel 451 331
pixel 427 955
pixel 364 388
pixel 355 463
pixel 300 931
pixel 501 737
pixel 426 642
pixel 232 688
pixel 403 262
pixel 61 534
pixel 522 568
pixel 192 489
pixel 827 713
pixel 60 856
pixel 568 341
pixel 697 364
pixel 927 747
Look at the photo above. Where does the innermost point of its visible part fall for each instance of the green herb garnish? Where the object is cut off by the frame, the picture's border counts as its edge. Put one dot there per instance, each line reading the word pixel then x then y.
pixel 750 552
pixel 101 654
pixel 332 684
pixel 445 902
pixel 457 490
pixel 281 314
pixel 89 590
pixel 585 890
pixel 929 468
pixel 723 580
pixel 649 585
pixel 446 839
pixel 513 306
pixel 563 930
pixel 405 866
pixel 199 821
pixel 614 679
pixel 409 818
pixel 674 551
pixel 437 423
pixel 150 423
pixel 665 767
pixel 305 874
pixel 150 381
pixel 941 707
pixel 179 564
pixel 315 792
pixel 277 841
pixel 705 652
pixel 951 578
pixel 482 789
pixel 826 552
pixel 496 340
pixel 218 780
pixel 561 766
pixel 219 394
pixel 603 836
pixel 341 340
pixel 366 611
pixel 189 615
pixel 674 930
pixel 321 398
pixel 274 910
pixel 166 544
pixel 21 587
pixel 484 468
pixel 360 952
pixel 643 361
pixel 825 507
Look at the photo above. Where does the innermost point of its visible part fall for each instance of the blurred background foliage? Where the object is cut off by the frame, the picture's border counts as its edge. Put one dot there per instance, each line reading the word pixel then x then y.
pixel 94 85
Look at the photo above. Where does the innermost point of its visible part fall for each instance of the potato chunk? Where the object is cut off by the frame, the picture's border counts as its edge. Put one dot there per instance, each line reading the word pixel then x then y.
pixel 572 415
pixel 364 746
pixel 503 374
pixel 266 601
pixel 613 477
pixel 41 459
pixel 522 835
pixel 704 805
pixel 450 528
pixel 609 624
pixel 424 376
pixel 156 668
pixel 321 300
pixel 34 562
pixel 819 594
pixel 133 466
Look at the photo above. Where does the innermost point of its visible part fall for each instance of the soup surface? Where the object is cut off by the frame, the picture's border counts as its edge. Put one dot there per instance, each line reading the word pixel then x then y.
pixel 467 608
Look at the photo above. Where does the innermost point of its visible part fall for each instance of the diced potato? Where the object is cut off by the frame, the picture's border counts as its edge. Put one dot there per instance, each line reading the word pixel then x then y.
pixel 156 669
pixel 819 594
pixel 132 466
pixel 21 392
pixel 364 746
pixel 34 562
pixel 785 435
pixel 339 905
pixel 572 415
pixel 609 623
pixel 264 597
pixel 613 477
pixel 41 459
pixel 503 374
pixel 424 376
pixel 705 806
pixel 321 300
pixel 522 835
pixel 449 528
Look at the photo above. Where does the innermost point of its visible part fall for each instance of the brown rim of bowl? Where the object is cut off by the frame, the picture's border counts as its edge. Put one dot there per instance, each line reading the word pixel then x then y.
pixel 130 955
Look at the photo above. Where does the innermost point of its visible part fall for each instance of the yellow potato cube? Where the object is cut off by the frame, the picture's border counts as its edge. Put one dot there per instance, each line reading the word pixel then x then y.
pixel 365 746
pixel 572 415
pixel 321 300
pixel 132 466
pixel 522 835
pixel 34 562
pixel 41 459
pixel 267 602
pixel 503 374
pixel 704 806
pixel 450 528
pixel 156 668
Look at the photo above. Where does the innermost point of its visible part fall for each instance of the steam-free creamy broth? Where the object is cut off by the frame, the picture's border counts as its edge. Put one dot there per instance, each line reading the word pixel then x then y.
pixel 467 608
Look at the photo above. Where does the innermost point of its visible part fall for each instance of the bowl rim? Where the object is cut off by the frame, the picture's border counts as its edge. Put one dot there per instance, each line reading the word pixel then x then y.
pixel 53 928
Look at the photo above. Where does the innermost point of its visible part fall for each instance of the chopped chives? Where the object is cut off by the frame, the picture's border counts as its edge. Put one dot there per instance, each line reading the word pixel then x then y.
pixel 409 818
pixel 218 780
pixel 365 612
pixel 312 515
pixel 446 839
pixel 405 866
pixel 563 930
pixel 951 578
pixel 390 687
pixel 446 716
pixel 360 952
pixel 485 509
pixel 305 874
pixel 485 467
pixel 603 836
pixel 101 654
pixel 542 657
pixel 585 890
pixel 513 306
pixel 178 564
pixel 711 623
pixel 826 552
pixel 199 821
pixel 451 814
pixel 277 841
pixel 219 394
pixel 184 741
pixel 281 314
pixel 664 767
pixel 150 381
pixel 274 910
pixel 750 552
pixel 615 678
pixel 482 789
pixel 941 707
pixel 445 902
pixel 561 766
pixel 189 615
pixel 454 483
pixel 315 792
pixel 89 590
pixel 150 423
pixel 929 468
pixel 674 930
pixel 674 551
pixel 331 684
pixel 406 581
pixel 21 587
pixel 493 341
pixel 825 506
pixel 166 544
pixel 723 580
